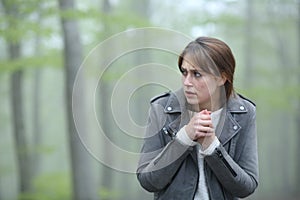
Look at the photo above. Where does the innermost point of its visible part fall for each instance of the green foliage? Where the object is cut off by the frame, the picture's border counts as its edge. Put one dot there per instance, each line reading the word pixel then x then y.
pixel 44 150
pixel 5 170
pixel 20 19
pixel 55 186
pixel 274 97
pixel 52 59
pixel 131 20
pixel 20 29
pixel 106 194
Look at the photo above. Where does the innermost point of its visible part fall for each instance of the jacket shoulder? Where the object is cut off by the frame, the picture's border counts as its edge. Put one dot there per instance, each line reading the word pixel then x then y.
pixel 160 97
pixel 247 100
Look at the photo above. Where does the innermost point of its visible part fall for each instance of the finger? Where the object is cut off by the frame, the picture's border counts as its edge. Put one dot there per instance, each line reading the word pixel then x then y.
pixel 204 129
pixel 201 122
pixel 206 112
pixel 203 113
pixel 202 135
pixel 208 134
pixel 199 135
pixel 205 117
pixel 202 117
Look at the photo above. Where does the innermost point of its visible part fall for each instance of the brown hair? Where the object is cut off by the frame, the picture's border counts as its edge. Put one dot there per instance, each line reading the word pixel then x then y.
pixel 213 56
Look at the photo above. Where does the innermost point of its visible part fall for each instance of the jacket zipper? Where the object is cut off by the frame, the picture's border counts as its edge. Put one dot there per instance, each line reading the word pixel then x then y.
pixel 226 163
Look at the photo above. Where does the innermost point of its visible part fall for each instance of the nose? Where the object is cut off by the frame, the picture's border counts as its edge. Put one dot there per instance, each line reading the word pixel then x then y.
pixel 187 80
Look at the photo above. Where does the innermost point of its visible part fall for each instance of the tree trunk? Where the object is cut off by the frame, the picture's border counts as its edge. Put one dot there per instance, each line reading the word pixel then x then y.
pixel 106 182
pixel 142 9
pixel 17 104
pixel 22 149
pixel 298 106
pixel 248 44
pixel 82 176
pixel 36 116
pixel 284 125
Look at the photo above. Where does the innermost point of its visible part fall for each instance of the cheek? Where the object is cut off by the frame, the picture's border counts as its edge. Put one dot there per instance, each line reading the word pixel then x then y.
pixel 201 85
pixel 205 88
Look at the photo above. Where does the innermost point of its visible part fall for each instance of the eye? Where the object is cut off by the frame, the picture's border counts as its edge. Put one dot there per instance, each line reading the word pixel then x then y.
pixel 197 74
pixel 183 71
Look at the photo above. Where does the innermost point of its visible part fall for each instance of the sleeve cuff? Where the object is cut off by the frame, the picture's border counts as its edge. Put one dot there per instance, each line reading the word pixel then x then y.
pixel 211 148
pixel 183 138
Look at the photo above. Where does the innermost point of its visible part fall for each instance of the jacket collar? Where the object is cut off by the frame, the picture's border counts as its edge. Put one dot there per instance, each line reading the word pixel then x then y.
pixel 176 103
pixel 228 126
pixel 236 105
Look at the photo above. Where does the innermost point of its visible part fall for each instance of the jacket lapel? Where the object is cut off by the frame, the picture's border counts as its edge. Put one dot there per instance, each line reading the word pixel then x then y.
pixel 228 127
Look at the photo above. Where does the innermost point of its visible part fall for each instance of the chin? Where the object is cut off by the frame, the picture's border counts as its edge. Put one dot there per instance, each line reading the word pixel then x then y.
pixel 192 101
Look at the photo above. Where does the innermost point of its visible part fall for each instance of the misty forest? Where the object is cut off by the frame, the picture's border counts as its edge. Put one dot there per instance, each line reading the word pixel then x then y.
pixel 76 79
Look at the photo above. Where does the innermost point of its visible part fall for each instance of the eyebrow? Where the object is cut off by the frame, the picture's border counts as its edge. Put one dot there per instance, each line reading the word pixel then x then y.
pixel 192 70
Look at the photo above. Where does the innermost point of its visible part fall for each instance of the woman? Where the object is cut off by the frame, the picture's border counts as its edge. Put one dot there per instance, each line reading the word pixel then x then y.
pixel 201 140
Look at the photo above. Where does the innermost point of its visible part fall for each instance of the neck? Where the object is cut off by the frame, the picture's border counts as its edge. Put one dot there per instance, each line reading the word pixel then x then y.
pixel 214 104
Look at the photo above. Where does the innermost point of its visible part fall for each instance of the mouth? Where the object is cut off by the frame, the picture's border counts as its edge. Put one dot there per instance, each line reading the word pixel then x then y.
pixel 189 93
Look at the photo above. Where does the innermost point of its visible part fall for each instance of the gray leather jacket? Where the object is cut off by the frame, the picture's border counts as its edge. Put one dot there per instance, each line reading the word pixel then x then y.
pixel 170 170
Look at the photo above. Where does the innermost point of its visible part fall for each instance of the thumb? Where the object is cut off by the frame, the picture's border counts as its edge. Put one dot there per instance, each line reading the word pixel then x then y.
pixel 206 112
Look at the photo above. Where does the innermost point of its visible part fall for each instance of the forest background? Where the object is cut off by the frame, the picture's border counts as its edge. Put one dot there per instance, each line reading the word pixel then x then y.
pixel 44 43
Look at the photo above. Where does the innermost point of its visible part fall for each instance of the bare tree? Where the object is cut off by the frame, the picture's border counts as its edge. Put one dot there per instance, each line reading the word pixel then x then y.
pixel 82 174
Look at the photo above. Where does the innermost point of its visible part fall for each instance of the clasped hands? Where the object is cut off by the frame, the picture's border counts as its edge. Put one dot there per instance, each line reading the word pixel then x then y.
pixel 200 128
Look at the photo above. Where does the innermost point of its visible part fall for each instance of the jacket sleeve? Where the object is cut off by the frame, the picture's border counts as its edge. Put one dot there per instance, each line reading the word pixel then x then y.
pixel 239 176
pixel 159 161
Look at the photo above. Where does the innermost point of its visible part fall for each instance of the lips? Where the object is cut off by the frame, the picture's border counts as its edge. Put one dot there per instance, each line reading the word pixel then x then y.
pixel 189 93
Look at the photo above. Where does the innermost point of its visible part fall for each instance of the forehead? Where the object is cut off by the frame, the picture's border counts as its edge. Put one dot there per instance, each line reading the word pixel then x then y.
pixel 193 62
pixel 199 60
pixel 187 65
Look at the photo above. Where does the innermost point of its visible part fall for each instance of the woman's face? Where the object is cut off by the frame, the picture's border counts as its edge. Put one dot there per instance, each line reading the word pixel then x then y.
pixel 201 89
